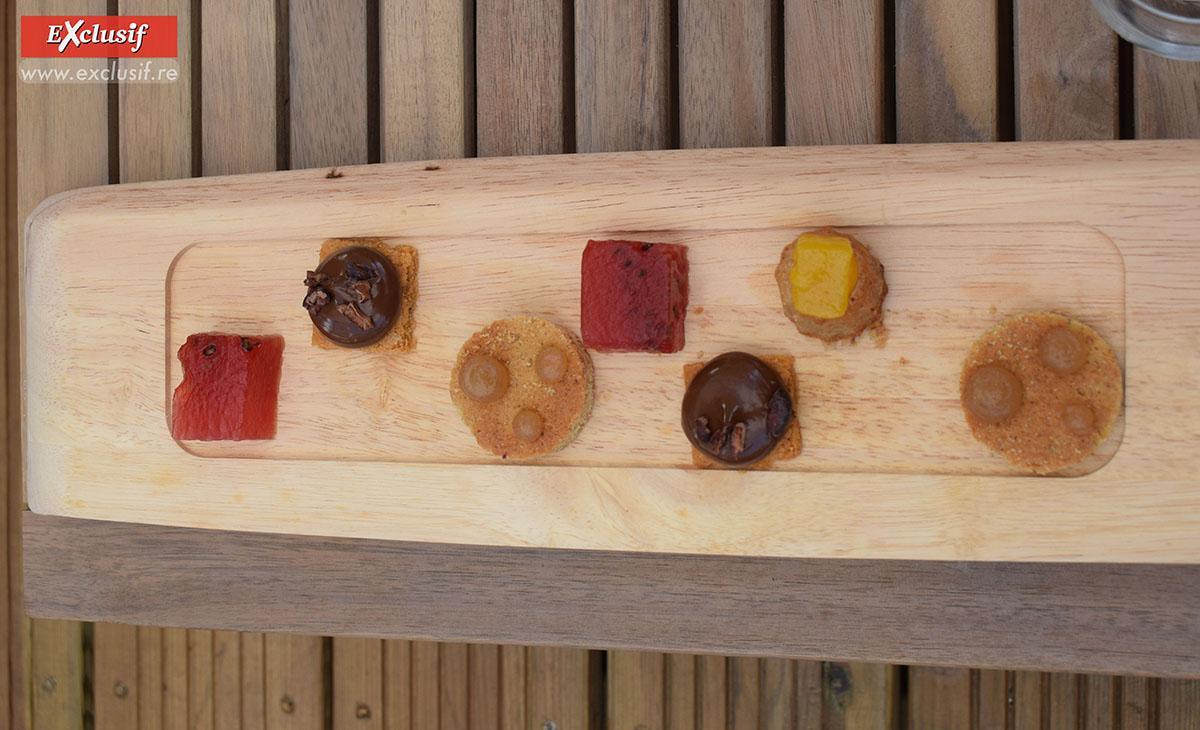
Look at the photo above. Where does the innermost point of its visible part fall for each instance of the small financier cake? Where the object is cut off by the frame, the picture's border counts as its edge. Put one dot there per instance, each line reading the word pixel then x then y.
pixel 363 295
pixel 738 411
pixel 523 386
pixel 1042 390
pixel 831 286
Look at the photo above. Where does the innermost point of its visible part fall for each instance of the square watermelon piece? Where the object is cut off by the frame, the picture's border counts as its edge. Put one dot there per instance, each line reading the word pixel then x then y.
pixel 230 388
pixel 634 296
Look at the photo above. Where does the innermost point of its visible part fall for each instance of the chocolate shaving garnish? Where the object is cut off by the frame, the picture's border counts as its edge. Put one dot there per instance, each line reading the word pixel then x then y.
pixel 362 289
pixel 248 344
pixel 719 438
pixel 355 315
pixel 779 413
pixel 647 246
pixel 210 350
pixel 358 272
pixel 737 440
pixel 315 300
pixel 315 278
pixel 701 430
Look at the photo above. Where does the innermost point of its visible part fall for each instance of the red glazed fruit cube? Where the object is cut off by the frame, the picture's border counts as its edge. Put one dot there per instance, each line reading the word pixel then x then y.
pixel 230 388
pixel 634 296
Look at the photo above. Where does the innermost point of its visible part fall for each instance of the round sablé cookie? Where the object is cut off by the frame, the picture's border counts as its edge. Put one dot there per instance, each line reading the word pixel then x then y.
pixel 865 308
pixel 1063 416
pixel 564 405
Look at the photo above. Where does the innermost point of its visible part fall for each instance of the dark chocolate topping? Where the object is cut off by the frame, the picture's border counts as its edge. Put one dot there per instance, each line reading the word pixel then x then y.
pixel 354 296
pixel 736 409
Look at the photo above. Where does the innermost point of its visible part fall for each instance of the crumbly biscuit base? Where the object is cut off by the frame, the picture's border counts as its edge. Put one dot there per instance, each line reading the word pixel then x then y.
pixel 564 406
pixel 402 337
pixel 1036 437
pixel 865 308
pixel 789 446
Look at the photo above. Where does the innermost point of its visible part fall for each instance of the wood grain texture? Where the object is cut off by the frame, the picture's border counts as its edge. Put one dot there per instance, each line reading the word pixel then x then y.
pixel 200 679
pixel 155 120
pixel 174 680
pixel 426 79
pixel 238 86
pixel 227 682
pixel 1008 615
pixel 397 685
pixel 519 74
pixel 946 74
pixel 1030 705
pixel 514 698
pixel 939 698
pixel 57 676
pixel 254 678
pixel 712 692
pixel 1179 704
pixel 115 686
pixel 810 697
pixel 1062 696
pixel 635 691
pixel 745 696
pixel 328 80
pixel 778 694
pixel 295 682
pixel 863 696
pixel 993 699
pixel 1106 516
pixel 725 76
pixel 1166 97
pixel 833 55
pixel 426 703
pixel 12 617
pixel 485 684
pixel 50 654
pixel 556 687
pixel 1066 72
pixel 680 692
pixel 358 684
pixel 453 678
pixel 1137 703
pixel 622 76
pixel 1098 708
pixel 150 676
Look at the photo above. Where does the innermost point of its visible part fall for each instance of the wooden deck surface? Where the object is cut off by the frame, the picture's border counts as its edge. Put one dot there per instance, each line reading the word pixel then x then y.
pixel 272 84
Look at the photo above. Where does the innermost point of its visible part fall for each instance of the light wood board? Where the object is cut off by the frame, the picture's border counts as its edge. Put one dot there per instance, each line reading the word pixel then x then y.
pixel 117 262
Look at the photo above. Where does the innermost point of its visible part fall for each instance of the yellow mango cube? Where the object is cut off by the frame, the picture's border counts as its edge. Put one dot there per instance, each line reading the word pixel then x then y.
pixel 824 274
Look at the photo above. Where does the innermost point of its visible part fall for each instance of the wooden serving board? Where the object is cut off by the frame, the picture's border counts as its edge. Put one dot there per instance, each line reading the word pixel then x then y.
pixel 370 445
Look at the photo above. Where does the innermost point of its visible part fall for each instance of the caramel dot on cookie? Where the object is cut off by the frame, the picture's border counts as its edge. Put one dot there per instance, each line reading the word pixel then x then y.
pixel 1061 350
pixel 993 394
pixel 483 378
pixel 527 425
pixel 1079 418
pixel 551 364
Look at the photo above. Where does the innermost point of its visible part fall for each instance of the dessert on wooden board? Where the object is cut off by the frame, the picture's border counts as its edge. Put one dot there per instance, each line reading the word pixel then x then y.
pixel 523 386
pixel 633 296
pixel 831 287
pixel 230 388
pixel 363 294
pixel 738 411
pixel 1041 390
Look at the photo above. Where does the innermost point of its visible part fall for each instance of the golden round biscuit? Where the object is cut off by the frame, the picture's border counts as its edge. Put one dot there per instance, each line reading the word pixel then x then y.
pixel 1064 400
pixel 549 388
pixel 865 308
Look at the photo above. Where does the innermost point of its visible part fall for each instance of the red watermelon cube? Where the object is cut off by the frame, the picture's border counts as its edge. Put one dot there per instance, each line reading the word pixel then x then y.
pixel 230 388
pixel 634 296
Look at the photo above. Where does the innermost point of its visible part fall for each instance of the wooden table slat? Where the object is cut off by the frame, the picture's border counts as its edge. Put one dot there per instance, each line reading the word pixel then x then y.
pixel 834 73
pixel 726 78
pixel 1166 97
pixel 946 71
pixel 1066 72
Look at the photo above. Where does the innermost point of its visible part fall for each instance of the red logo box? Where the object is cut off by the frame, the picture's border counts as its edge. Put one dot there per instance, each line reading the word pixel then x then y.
pixel 99 36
